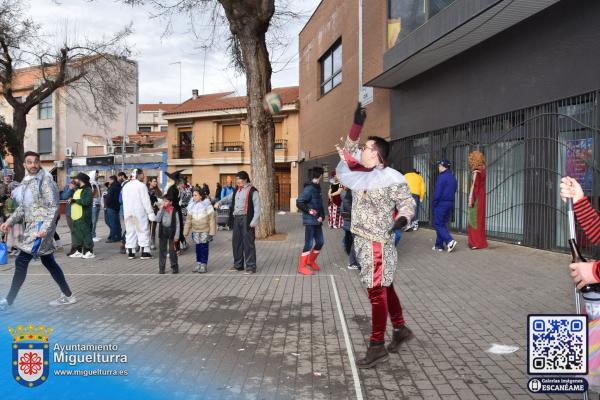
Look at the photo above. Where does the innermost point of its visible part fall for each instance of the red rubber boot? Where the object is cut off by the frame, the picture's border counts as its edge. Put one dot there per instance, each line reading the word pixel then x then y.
pixel 312 260
pixel 302 266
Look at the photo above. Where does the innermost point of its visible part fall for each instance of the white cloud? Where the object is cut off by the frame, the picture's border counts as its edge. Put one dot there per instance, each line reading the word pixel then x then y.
pixel 158 79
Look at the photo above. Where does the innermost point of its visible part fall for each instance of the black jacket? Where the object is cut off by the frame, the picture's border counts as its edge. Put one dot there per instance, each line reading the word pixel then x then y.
pixel 112 196
pixel 311 198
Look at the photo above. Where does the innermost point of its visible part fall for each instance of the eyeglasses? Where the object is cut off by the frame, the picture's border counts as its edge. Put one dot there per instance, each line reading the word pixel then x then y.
pixel 371 148
pixel 365 147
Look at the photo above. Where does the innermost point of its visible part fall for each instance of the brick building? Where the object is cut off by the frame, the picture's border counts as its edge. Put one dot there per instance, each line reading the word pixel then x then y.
pixel 329 77
pixel 515 79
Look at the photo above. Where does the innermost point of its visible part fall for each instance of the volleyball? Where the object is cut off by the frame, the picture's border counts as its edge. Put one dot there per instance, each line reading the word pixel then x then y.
pixel 272 102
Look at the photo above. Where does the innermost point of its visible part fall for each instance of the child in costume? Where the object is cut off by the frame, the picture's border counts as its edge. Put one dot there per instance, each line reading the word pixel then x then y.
pixel 169 227
pixel 201 220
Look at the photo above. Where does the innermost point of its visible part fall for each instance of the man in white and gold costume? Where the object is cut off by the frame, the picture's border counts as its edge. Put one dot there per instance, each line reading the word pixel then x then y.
pixel 377 191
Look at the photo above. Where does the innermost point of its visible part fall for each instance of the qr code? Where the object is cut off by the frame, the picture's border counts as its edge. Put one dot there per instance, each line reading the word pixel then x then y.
pixel 557 344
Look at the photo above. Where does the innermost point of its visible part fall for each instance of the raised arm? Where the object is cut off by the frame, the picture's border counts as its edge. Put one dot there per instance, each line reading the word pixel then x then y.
pixel 360 115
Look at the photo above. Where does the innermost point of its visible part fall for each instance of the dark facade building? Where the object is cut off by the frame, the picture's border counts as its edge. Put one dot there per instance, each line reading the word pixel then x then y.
pixel 518 80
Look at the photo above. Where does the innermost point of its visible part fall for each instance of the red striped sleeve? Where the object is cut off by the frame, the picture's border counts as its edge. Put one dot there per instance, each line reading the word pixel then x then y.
pixel 588 219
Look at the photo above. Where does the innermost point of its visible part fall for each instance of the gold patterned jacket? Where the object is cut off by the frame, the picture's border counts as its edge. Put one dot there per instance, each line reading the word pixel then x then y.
pixel 373 210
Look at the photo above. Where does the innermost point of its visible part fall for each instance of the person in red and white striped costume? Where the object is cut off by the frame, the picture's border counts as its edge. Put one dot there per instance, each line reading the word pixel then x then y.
pixel 583 273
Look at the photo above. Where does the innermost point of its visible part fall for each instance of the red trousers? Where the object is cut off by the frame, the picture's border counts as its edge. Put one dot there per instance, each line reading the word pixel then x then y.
pixel 383 300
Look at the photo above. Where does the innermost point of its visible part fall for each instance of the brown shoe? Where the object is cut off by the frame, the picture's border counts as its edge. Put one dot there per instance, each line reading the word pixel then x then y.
pixel 399 336
pixel 375 354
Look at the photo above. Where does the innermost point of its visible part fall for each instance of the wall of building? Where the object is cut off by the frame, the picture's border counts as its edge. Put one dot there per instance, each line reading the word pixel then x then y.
pixel 153 119
pixel 325 119
pixel 69 126
pixel 78 125
pixel 207 167
pixel 549 56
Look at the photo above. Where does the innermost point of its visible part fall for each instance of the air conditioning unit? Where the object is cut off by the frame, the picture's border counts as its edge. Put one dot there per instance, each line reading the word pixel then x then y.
pixel 69 152
pixel 110 149
pixel 59 163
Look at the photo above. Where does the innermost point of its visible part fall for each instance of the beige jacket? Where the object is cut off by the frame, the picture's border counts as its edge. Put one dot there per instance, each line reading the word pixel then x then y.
pixel 201 217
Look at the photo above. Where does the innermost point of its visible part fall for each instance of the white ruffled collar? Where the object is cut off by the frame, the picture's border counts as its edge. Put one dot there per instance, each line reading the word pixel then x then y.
pixel 378 178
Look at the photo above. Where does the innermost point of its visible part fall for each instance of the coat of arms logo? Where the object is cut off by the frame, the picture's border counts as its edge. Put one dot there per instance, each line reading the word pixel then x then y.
pixel 30 349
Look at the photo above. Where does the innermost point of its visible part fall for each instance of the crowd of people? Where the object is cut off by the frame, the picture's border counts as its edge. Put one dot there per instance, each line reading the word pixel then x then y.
pixel 372 202
pixel 136 212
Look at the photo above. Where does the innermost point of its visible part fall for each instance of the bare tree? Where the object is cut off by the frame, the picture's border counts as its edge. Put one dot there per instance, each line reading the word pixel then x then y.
pixel 97 70
pixel 248 22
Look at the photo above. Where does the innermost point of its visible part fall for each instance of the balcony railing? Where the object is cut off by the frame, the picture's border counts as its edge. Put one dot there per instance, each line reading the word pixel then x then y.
pixel 226 146
pixel 280 144
pixel 183 151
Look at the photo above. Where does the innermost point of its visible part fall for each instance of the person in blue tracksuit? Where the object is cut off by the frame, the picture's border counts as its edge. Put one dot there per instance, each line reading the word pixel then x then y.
pixel 310 202
pixel 443 205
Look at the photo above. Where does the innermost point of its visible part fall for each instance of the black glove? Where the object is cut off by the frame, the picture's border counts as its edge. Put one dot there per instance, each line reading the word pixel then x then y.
pixel 399 224
pixel 360 114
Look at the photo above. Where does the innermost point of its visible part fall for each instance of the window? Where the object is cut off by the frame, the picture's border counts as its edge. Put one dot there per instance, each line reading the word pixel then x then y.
pixel 278 130
pixel 45 140
pixel 45 108
pixel 185 138
pixel 95 150
pixel 185 147
pixel 435 6
pixel 164 128
pixel 145 129
pixel 331 67
pixel 404 16
pixel 231 133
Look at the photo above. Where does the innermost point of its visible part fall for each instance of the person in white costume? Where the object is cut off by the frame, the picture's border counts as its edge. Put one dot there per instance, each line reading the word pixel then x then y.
pixel 137 212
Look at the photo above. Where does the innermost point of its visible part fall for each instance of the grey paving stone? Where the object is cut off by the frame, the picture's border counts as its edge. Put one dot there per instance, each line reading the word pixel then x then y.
pixel 278 335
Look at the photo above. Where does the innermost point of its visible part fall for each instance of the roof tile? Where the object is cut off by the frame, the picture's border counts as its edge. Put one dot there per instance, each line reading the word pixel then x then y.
pixel 224 101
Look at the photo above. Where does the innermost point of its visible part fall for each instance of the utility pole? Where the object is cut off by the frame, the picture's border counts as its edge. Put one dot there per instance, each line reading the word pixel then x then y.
pixel 365 94
pixel 178 62
pixel 125 138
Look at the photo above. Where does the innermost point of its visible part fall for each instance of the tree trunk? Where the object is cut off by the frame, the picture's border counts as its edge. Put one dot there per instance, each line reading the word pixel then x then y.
pixel 17 146
pixel 262 130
